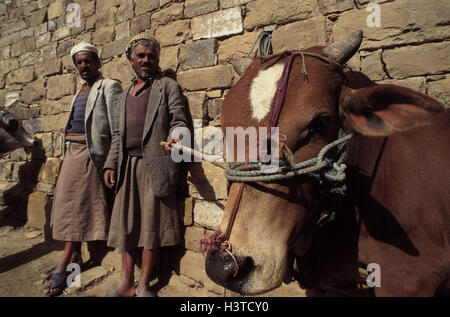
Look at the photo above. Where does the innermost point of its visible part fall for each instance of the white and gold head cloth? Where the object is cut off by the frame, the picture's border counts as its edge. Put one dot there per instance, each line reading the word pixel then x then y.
pixel 141 37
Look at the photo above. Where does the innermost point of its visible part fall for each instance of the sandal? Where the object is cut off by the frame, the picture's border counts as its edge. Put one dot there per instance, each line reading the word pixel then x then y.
pixel 58 284
pixel 46 275
pixel 145 293
pixel 113 293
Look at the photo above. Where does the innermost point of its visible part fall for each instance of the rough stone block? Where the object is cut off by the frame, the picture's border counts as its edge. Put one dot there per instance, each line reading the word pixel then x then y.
pixel 169 58
pixel 64 48
pixel 267 12
pixel 8 65
pixel 34 91
pixel 12 97
pixel 105 17
pixel 119 69
pixel 411 61
pixel 401 22
pixel 194 8
pixel 90 23
pixel 115 48
pixel 5 52
pixel 188 211
pixel 206 78
pixel 48 67
pixel 173 33
pixel 439 89
pixel 20 76
pixel 198 54
pixel 87 9
pixel 47 52
pixel 22 46
pixel 5 173
pixel 143 6
pixel 122 30
pixel 225 4
pixel 56 9
pixel 214 108
pixel 54 122
pixel 293 36
pixel 171 13
pixel 192 238
pixel 43 39
pixel 47 142
pixel 335 6
pixel 237 45
pixel 208 214
pixel 124 12
pixel 37 17
pixel 196 101
pixel 41 29
pixel 208 182
pixel 28 59
pixel 61 33
pixel 162 3
pixel 415 83
pixel 140 23
pixel 105 4
pixel 36 210
pixel 60 86
pixel 214 94
pixel 217 24
pixel 49 171
pixel 371 65
pixel 32 126
pixel 103 35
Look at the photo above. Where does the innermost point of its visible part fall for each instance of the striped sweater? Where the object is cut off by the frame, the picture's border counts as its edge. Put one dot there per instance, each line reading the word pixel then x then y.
pixel 79 110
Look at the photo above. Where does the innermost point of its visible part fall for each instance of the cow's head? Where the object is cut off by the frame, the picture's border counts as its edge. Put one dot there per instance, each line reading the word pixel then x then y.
pixel 271 217
pixel 12 135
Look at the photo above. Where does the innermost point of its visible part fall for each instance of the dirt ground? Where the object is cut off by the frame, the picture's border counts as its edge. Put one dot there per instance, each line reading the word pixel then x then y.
pixel 24 254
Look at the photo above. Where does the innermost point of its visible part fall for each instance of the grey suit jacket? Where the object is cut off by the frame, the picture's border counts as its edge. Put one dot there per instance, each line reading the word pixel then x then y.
pixel 165 113
pixel 100 118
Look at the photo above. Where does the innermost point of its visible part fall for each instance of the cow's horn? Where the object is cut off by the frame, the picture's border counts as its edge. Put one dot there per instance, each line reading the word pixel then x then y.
pixel 343 50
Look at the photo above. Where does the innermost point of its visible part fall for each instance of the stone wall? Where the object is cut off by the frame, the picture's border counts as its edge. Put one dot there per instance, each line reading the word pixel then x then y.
pixel 410 47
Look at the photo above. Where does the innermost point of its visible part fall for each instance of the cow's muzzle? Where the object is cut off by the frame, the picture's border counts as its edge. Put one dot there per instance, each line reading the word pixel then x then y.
pixel 225 268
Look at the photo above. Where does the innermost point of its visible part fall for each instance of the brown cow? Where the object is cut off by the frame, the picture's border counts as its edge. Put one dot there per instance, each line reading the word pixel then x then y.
pixel 396 212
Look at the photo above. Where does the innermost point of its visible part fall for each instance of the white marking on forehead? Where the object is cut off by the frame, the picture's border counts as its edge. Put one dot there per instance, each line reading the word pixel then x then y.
pixel 263 90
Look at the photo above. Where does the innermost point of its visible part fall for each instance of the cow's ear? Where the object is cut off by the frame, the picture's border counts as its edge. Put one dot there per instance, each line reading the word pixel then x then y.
pixel 380 110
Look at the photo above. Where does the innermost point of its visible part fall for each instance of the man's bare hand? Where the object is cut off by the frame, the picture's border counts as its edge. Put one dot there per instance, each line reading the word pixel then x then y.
pixel 168 145
pixel 110 178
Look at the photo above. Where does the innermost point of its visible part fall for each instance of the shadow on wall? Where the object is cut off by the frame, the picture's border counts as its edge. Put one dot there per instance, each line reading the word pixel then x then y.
pixel 16 201
pixel 16 197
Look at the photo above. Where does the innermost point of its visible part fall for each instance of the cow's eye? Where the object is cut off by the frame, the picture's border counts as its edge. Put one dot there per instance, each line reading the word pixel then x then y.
pixel 320 124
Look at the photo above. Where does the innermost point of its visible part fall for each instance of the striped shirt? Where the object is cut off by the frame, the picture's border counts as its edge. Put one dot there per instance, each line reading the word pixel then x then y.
pixel 79 109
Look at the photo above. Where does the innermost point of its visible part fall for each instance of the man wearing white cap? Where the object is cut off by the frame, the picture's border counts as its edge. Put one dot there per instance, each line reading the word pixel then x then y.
pixel 80 210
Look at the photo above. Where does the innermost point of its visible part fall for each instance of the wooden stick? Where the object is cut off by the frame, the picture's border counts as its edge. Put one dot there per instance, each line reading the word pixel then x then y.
pixel 179 147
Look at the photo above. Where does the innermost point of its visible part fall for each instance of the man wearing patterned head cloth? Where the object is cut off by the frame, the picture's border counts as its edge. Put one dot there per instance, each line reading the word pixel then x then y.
pixel 144 215
pixel 80 209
